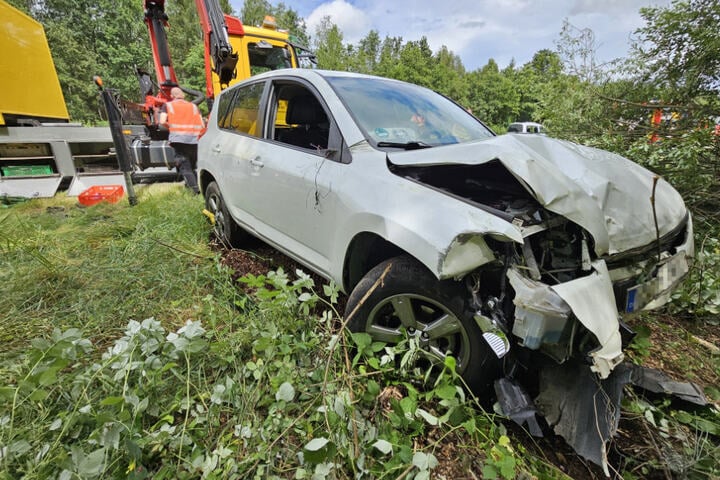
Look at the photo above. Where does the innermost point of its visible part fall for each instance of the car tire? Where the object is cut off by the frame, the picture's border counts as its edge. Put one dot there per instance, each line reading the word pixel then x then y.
pixel 435 312
pixel 224 227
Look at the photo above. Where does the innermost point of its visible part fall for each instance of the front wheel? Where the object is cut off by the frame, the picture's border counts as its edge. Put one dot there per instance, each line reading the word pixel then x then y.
pixel 224 227
pixel 410 301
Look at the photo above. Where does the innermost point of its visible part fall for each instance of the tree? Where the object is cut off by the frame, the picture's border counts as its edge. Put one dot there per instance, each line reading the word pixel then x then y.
pixel 449 76
pixel 109 38
pixel 679 47
pixel 677 58
pixel 93 37
pixel 367 54
pixel 389 57
pixel 493 97
pixel 578 50
pixel 545 64
pixel 254 11
pixel 329 47
pixel 22 5
pixel 416 63
pixel 290 20
pixel 226 7
pixel 532 79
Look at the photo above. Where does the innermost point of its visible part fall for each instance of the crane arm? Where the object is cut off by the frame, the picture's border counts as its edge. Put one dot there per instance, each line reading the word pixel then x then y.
pixel 219 55
pixel 156 21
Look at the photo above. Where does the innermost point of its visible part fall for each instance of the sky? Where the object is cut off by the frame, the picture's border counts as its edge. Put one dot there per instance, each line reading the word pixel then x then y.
pixel 477 30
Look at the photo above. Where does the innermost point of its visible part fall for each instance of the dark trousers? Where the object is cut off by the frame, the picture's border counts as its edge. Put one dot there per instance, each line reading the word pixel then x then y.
pixel 186 163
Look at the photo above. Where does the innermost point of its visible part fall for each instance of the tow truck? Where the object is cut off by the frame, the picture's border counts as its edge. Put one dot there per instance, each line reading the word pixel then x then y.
pixel 42 151
pixel 233 52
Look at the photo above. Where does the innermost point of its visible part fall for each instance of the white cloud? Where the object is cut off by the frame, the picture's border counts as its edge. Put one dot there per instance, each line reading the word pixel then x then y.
pixel 477 30
pixel 353 22
pixel 611 7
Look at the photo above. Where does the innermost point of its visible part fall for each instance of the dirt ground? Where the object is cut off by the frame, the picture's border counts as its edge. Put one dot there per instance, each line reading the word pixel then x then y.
pixel 684 349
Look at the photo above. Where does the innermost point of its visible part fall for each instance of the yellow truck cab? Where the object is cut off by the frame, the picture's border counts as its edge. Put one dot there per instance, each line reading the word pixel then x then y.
pixel 261 49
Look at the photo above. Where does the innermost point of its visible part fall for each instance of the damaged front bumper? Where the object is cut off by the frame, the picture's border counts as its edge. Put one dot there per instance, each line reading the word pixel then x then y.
pixel 668 272
pixel 543 314
pixel 579 391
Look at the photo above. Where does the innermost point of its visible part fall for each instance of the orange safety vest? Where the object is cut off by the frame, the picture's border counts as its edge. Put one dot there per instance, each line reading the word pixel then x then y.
pixel 184 121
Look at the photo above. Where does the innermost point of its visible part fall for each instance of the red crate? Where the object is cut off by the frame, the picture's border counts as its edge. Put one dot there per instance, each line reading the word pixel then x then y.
pixel 99 193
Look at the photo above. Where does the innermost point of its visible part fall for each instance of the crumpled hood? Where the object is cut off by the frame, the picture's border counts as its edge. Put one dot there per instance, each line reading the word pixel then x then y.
pixel 605 193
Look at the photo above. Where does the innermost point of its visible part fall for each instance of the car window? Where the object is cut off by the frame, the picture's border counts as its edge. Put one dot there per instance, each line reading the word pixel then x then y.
pixel 306 59
pixel 395 112
pixel 238 109
pixel 265 57
pixel 299 118
pixel 223 107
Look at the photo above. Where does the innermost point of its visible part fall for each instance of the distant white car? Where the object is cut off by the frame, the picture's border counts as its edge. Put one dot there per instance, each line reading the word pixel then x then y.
pixel 510 253
pixel 526 127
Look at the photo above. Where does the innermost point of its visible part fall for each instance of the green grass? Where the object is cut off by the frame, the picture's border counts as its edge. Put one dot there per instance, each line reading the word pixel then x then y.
pixel 63 265
pixel 102 376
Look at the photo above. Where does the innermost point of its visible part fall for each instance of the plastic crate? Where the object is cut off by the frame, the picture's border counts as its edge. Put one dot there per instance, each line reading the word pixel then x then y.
pixel 26 170
pixel 100 193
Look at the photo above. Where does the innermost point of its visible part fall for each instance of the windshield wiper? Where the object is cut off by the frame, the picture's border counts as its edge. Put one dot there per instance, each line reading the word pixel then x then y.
pixel 414 145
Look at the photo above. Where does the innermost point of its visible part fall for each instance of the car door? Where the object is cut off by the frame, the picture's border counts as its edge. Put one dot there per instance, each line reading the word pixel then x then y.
pixel 296 178
pixel 235 146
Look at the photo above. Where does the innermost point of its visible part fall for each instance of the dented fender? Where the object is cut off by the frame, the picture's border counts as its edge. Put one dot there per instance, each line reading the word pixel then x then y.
pixel 465 253
pixel 447 236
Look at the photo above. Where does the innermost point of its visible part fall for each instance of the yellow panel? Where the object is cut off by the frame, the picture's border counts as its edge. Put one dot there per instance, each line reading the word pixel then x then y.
pixel 28 80
pixel 244 120
pixel 281 116
pixel 266 33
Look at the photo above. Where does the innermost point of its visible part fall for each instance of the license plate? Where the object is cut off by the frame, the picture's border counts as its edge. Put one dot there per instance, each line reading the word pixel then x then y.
pixel 668 275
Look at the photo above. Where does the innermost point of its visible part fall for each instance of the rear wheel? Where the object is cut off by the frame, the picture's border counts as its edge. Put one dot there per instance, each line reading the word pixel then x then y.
pixel 224 227
pixel 410 301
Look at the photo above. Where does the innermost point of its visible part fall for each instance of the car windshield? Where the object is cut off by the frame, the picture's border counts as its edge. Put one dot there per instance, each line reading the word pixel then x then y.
pixel 394 114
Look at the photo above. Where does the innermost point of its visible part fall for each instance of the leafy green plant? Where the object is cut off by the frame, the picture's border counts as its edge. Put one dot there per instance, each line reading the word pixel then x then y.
pixel 670 428
pixel 175 405
pixel 701 292
pixel 216 383
pixel 641 343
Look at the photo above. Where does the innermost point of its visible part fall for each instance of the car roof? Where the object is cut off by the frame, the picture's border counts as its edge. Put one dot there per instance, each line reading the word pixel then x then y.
pixel 313 74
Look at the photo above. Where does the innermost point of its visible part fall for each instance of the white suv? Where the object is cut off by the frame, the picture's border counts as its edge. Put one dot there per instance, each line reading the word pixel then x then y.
pixel 514 254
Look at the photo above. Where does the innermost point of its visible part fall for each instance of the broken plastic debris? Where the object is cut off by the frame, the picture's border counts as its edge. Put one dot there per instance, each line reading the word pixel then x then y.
pixel 517 405
pixel 581 408
pixel 657 382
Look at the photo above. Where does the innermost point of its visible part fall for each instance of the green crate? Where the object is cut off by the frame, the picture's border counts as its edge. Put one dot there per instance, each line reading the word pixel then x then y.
pixel 26 170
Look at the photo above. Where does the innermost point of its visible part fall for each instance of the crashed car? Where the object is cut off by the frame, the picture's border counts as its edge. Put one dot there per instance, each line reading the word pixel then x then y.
pixel 517 255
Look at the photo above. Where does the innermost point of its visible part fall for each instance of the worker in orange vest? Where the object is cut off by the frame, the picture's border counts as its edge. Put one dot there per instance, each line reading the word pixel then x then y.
pixel 183 120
